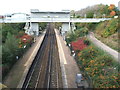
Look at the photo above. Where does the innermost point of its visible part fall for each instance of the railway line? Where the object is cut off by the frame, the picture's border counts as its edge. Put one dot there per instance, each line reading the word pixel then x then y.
pixel 45 71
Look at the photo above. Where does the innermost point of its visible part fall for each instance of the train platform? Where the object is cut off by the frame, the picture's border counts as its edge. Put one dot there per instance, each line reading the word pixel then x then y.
pixel 68 64
pixel 17 74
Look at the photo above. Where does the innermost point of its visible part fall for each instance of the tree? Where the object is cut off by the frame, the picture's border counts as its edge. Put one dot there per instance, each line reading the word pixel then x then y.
pixel 42 25
pixel 10 48
pixel 104 10
pixel 11 28
pixel 81 32
pixel 0 53
pixel 78 16
pixel 111 7
pixel 0 34
pixel 72 13
pixel 112 13
pixel 90 14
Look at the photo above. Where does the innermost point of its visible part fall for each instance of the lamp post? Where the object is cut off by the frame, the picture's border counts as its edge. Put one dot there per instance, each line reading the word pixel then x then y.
pixel 69 22
pixel 103 15
pixel 94 16
pixel 85 16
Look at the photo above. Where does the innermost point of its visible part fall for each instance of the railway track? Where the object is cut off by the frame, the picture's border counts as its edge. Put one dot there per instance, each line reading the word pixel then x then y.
pixel 45 71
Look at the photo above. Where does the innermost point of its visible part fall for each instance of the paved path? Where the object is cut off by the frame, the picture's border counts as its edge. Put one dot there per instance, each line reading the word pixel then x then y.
pixel 101 45
pixel 17 74
pixel 69 65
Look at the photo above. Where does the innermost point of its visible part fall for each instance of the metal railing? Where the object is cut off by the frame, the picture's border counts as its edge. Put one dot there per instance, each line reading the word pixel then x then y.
pixel 53 20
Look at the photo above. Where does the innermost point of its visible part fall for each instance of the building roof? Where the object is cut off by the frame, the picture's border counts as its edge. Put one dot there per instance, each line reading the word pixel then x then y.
pixel 20 13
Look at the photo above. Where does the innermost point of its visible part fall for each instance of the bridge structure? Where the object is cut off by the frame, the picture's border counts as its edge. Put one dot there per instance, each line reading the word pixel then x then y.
pixel 36 16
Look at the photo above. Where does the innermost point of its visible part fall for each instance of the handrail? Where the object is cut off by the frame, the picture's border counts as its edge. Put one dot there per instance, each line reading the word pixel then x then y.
pixel 54 20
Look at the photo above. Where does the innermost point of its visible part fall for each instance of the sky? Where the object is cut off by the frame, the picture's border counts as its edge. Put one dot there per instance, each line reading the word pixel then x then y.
pixel 24 6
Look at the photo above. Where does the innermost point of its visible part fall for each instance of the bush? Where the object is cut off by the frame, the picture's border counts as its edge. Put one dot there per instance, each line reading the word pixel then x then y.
pixel 86 41
pixel 81 32
pixel 105 72
pixel 9 49
pixel 42 26
pixel 90 14
pixel 10 46
pixel 12 28
pixel 71 37
pixel 90 52
pixel 102 68
pixel 78 45
pixel 111 28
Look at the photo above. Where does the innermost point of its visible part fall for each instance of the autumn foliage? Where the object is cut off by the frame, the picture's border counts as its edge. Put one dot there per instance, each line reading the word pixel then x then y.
pixel 111 7
pixel 26 38
pixel 78 45
pixel 112 13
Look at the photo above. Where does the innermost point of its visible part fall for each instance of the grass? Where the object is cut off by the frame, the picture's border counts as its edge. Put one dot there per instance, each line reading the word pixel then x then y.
pixel 111 41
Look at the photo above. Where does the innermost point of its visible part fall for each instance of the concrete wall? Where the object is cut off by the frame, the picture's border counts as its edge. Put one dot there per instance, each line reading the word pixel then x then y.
pixel 36 14
pixel 50 15
pixel 65 27
pixel 19 16
pixel 35 28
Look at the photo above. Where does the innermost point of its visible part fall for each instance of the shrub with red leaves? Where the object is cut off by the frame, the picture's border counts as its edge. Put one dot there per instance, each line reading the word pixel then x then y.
pixel 78 45
pixel 26 38
pixel 20 34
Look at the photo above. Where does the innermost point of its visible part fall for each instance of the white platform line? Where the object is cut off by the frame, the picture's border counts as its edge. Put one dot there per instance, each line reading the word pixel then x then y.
pixel 30 62
pixel 34 51
pixel 62 61
pixel 60 49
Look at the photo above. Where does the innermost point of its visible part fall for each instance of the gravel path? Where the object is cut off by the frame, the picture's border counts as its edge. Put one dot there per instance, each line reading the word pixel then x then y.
pixel 106 48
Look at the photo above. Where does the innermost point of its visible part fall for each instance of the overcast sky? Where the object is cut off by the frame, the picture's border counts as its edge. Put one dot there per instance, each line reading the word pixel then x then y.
pixel 15 6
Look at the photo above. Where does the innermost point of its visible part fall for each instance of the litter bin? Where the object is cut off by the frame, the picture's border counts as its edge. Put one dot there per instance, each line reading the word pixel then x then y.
pixel 79 81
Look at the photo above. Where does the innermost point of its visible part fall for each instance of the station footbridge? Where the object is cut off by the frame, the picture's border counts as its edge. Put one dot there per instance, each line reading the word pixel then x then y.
pixel 36 16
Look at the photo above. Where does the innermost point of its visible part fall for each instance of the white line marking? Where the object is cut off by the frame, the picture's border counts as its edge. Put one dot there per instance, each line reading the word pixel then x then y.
pixel 35 50
pixel 27 68
pixel 62 57
pixel 60 49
